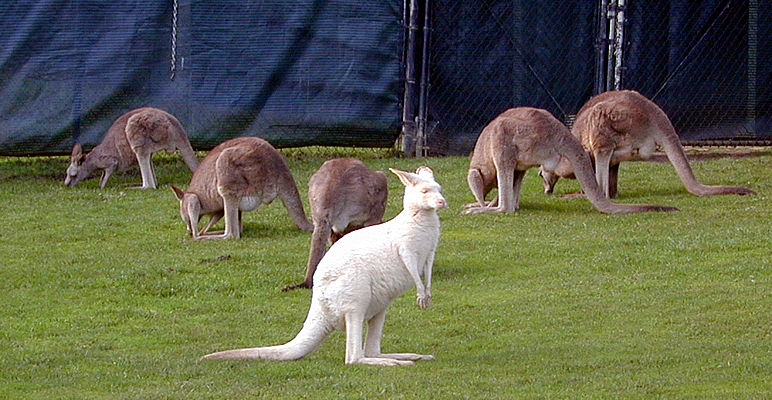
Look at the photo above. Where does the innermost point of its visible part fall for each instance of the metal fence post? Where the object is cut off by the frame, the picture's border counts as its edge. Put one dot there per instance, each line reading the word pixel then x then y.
pixel 619 41
pixel 601 47
pixel 615 14
pixel 408 137
pixel 753 43
pixel 420 149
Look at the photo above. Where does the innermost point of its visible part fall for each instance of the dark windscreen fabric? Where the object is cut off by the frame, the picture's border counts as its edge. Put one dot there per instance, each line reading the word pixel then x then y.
pixel 293 72
pixel 489 56
pixel 704 63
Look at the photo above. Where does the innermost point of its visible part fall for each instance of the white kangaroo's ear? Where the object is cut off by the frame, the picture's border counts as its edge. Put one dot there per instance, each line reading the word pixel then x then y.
pixel 425 172
pixel 407 178
pixel 178 193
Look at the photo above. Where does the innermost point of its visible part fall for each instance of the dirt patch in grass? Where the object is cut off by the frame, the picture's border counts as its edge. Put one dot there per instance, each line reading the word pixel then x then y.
pixel 695 153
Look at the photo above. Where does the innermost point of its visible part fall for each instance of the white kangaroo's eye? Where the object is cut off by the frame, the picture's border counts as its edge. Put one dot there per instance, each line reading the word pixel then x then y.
pixel 424 190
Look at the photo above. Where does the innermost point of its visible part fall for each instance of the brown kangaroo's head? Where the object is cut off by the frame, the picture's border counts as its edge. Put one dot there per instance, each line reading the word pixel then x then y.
pixel 190 209
pixel 548 180
pixel 78 169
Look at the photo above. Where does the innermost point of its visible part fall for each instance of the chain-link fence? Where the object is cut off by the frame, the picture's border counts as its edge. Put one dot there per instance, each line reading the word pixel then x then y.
pixel 703 69
pixel 698 60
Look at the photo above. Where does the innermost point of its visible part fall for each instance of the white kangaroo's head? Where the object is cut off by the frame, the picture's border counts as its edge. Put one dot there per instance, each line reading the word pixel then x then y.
pixel 422 192
pixel 190 209
pixel 77 170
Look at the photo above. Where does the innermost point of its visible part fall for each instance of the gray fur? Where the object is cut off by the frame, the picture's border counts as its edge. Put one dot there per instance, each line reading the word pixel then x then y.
pixel 344 195
pixel 131 139
pixel 238 175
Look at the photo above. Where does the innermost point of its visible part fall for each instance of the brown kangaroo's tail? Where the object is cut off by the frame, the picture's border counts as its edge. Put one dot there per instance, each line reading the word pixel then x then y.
pixel 183 145
pixel 291 198
pixel 322 231
pixel 667 137
pixel 189 156
pixel 572 149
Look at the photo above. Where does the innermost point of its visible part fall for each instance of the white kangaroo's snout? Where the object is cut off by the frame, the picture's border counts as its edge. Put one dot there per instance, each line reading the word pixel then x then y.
pixel 432 195
pixel 439 202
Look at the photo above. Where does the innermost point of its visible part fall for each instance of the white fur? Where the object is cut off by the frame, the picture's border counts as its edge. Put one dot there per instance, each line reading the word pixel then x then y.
pixel 362 274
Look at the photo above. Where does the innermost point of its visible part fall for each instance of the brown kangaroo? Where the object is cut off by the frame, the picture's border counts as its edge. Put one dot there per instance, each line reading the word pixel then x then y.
pixel 345 195
pixel 134 136
pixel 621 125
pixel 238 175
pixel 524 137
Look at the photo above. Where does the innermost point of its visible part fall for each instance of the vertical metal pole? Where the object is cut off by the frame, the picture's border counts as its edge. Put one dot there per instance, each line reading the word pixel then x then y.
pixel 610 39
pixel 420 149
pixel 76 112
pixel 753 43
pixel 409 101
pixel 601 47
pixel 619 41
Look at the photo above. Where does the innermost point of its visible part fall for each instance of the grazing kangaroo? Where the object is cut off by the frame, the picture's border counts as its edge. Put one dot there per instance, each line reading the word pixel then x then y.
pixel 345 195
pixel 621 125
pixel 135 135
pixel 362 274
pixel 521 138
pixel 238 175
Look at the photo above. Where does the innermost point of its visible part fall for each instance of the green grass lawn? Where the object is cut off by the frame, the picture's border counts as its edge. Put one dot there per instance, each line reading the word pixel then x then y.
pixel 103 296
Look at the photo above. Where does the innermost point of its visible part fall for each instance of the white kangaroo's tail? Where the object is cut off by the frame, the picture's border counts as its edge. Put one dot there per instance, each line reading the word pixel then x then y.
pixel 315 329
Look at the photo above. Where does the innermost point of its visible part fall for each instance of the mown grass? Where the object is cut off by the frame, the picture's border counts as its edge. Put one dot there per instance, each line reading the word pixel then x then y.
pixel 103 296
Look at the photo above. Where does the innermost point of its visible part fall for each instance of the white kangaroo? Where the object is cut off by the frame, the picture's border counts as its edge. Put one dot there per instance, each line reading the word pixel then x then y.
pixel 362 274
pixel 238 175
pixel 134 136
pixel 345 195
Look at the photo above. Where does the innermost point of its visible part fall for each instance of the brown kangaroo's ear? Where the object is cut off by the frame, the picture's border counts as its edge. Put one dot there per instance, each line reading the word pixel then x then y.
pixel 77 150
pixel 178 193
